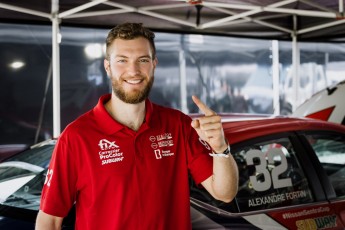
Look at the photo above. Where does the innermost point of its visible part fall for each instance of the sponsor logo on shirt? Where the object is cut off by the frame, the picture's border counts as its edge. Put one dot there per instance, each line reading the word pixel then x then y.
pixel 160 141
pixel 204 143
pixel 110 152
pixel 105 144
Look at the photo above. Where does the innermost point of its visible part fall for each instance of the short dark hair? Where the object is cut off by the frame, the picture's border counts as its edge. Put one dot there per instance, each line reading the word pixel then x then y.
pixel 129 31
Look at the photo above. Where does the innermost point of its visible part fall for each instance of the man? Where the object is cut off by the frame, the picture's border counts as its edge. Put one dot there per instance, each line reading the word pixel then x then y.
pixel 125 164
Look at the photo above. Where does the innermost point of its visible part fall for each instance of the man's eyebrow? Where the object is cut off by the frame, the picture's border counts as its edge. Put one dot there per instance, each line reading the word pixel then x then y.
pixel 145 56
pixel 121 56
pixel 124 56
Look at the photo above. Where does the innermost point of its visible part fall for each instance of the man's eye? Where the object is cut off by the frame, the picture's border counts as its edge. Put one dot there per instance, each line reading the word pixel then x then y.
pixel 121 60
pixel 144 60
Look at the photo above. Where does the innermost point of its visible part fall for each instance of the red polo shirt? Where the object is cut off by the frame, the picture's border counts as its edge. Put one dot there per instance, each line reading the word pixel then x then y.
pixel 122 179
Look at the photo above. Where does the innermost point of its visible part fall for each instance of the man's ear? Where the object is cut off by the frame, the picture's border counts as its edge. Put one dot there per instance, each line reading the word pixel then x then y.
pixel 106 66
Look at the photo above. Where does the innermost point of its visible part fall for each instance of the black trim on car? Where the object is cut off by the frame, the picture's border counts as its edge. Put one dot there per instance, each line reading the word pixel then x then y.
pixel 320 172
pixel 18 213
pixel 310 166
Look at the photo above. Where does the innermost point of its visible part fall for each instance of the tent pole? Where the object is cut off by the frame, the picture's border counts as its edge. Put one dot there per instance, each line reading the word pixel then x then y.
pixel 275 76
pixel 183 77
pixel 295 65
pixel 56 69
pixel 341 7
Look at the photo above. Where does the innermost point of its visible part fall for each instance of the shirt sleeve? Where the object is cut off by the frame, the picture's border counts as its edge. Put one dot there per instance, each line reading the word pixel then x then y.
pixel 58 194
pixel 200 163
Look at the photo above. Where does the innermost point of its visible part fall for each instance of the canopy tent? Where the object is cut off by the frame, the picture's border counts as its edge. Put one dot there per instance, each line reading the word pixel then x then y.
pixel 294 20
pixel 308 19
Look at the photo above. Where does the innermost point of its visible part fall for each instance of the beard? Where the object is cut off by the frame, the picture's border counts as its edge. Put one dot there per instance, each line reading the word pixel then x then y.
pixel 135 96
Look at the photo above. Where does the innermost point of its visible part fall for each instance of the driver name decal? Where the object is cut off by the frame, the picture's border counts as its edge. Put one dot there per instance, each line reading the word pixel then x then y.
pixel 277 198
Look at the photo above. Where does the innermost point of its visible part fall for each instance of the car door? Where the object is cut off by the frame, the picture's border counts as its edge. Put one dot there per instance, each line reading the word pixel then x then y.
pixel 278 189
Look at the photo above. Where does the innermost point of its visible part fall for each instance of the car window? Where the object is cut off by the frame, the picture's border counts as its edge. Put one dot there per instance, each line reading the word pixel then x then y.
pixel 270 176
pixel 330 149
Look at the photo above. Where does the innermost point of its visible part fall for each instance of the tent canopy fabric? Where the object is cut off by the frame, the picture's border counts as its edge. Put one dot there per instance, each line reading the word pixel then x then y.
pixel 311 20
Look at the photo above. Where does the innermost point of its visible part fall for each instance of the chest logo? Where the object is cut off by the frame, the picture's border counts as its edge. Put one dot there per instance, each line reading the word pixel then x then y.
pixel 162 141
pixel 105 144
pixel 109 152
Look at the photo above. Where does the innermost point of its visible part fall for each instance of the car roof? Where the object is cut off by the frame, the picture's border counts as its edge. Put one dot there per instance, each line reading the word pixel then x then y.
pixel 240 127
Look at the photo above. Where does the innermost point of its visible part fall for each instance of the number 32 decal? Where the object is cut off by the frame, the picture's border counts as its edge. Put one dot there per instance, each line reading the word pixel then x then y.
pixel 269 177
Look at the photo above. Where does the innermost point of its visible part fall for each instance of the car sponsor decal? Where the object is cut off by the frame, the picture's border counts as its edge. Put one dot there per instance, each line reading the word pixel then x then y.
pixel 308 218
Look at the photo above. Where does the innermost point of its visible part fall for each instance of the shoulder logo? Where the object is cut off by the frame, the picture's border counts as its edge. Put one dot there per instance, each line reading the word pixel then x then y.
pixel 110 152
pixel 204 143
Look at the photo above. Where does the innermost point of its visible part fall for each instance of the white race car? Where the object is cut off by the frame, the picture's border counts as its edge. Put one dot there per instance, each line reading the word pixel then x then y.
pixel 327 105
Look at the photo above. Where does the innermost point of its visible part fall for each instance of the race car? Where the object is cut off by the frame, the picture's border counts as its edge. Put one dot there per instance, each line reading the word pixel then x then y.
pixel 327 105
pixel 291 176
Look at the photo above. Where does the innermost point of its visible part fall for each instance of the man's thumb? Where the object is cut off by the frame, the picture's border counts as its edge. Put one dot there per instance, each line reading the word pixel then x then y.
pixel 195 124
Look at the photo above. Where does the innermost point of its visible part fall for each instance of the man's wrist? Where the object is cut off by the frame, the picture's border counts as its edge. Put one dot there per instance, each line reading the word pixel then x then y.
pixel 225 153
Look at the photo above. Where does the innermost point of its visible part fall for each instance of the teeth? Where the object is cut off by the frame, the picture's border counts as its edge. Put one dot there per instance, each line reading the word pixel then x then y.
pixel 133 81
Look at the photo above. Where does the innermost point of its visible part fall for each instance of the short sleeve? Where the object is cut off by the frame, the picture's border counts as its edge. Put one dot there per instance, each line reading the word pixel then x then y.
pixel 58 194
pixel 200 163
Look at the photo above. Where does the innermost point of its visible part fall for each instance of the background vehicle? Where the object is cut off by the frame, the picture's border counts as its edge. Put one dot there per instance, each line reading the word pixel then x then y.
pixel 292 176
pixel 328 105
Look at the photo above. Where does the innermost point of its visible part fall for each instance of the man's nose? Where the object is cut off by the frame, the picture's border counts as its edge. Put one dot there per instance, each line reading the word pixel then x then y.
pixel 133 68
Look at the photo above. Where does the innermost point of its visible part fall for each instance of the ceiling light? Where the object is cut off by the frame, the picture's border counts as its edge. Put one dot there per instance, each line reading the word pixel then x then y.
pixel 17 64
pixel 93 51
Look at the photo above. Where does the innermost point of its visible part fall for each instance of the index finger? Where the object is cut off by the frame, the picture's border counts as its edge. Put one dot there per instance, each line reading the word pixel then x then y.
pixel 204 108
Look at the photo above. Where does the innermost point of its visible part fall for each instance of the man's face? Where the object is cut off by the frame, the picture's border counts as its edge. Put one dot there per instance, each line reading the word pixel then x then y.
pixel 131 69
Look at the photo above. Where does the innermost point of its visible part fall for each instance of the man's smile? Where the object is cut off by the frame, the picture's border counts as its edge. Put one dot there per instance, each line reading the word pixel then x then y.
pixel 134 81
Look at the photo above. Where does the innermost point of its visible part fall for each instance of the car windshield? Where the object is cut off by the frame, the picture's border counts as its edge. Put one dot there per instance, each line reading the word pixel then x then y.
pixel 22 177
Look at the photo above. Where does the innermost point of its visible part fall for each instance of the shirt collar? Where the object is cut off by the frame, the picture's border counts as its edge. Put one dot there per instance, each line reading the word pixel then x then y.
pixel 109 125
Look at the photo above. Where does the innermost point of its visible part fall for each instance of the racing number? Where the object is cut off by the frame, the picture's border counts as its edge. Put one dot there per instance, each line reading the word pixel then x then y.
pixel 48 177
pixel 269 177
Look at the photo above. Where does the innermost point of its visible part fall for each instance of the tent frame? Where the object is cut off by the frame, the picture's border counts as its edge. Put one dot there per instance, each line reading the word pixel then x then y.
pixel 234 18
